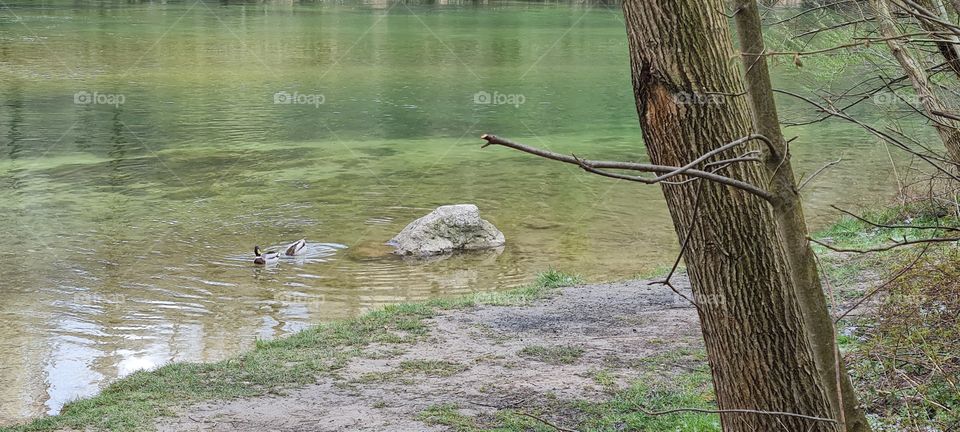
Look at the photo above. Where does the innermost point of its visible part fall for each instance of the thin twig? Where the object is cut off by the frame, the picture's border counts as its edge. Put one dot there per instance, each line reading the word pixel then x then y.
pixel 880 225
pixel 555 427
pixel 894 245
pixel 721 411
pixel 683 249
pixel 818 172
pixel 883 285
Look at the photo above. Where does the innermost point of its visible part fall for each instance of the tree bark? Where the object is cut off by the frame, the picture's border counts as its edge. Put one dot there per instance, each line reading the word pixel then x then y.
pixel 790 222
pixel 946 129
pixel 760 350
pixel 950 49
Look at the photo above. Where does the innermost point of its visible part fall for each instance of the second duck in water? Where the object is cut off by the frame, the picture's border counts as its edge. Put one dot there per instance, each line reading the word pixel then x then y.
pixel 296 247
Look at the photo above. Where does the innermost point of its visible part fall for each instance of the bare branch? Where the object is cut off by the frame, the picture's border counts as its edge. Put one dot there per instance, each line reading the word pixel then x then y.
pixel 879 225
pixel 893 245
pixel 721 411
pixel 555 427
pixel 832 112
pixel 810 10
pixel 818 172
pixel 883 285
pixel 835 26
pixel 683 249
pixel 945 114
pixel 596 167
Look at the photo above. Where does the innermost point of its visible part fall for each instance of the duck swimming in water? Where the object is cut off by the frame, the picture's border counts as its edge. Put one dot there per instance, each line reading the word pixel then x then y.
pixel 295 248
pixel 264 258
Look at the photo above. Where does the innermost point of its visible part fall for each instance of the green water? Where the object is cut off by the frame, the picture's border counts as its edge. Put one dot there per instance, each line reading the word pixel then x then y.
pixel 128 227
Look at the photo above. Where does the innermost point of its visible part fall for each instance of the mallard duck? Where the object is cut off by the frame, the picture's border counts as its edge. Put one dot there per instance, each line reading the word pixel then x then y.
pixel 295 247
pixel 263 258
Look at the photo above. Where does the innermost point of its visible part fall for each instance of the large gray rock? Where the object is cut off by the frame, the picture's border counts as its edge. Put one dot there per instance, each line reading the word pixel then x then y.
pixel 446 229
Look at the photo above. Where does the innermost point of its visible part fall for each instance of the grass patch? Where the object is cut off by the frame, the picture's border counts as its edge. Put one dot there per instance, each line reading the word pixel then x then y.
pixel 448 415
pixel 618 413
pixel 553 355
pixel 658 272
pixel 132 403
pixel 687 390
pixel 686 358
pixel 605 379
pixel 556 279
pixel 849 232
pixel 440 368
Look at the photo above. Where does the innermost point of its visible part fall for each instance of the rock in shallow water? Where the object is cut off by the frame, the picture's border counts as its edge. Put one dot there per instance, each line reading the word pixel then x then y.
pixel 447 229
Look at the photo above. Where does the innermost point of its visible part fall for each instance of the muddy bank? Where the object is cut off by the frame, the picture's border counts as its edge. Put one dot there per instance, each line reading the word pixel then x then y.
pixel 480 360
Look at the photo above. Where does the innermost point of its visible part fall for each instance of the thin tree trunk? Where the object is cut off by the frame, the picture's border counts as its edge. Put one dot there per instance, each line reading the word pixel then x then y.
pixel 947 129
pixel 754 328
pixel 791 224
pixel 950 49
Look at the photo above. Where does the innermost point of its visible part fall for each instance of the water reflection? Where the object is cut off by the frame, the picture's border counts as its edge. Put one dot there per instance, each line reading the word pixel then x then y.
pixel 129 227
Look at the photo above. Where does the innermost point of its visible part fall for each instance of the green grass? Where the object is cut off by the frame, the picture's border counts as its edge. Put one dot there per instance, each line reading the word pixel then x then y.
pixel 849 232
pixel 658 272
pixel 132 403
pixel 448 415
pixel 556 279
pixel 407 368
pixel 553 355
pixel 605 379
pixel 440 368
pixel 618 413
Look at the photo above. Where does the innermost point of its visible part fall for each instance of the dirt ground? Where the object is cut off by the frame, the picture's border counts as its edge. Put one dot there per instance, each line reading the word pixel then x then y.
pixel 481 364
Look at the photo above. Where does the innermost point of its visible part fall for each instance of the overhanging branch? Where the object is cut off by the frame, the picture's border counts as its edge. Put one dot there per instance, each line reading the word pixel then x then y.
pixel 666 172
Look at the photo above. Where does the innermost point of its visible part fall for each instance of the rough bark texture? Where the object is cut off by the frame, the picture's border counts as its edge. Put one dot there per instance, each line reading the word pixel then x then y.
pixel 759 349
pixel 947 129
pixel 791 224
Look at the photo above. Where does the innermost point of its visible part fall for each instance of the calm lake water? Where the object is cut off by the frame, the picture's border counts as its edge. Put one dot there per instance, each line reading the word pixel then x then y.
pixel 143 153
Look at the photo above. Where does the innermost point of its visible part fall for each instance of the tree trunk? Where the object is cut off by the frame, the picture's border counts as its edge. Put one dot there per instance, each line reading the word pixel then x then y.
pixel 791 224
pixel 689 100
pixel 947 129
pixel 950 49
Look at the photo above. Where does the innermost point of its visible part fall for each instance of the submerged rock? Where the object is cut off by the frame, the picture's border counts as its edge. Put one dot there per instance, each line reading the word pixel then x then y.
pixel 447 229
